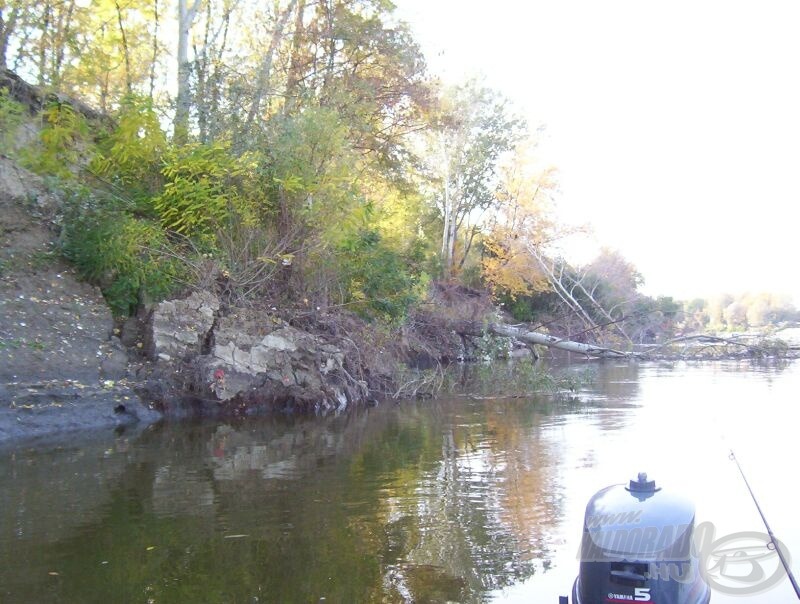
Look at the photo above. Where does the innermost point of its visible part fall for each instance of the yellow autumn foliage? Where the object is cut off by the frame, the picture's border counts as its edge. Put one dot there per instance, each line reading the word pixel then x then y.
pixel 522 224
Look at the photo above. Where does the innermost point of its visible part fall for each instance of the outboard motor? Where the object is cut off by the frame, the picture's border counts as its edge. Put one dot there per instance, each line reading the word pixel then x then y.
pixel 637 547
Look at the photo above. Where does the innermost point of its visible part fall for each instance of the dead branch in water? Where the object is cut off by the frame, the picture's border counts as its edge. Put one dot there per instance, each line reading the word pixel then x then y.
pixel 711 340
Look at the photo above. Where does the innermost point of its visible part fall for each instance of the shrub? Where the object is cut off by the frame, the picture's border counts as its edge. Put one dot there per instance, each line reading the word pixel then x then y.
pixel 12 115
pixel 62 141
pixel 129 155
pixel 200 194
pixel 377 281
pixel 122 254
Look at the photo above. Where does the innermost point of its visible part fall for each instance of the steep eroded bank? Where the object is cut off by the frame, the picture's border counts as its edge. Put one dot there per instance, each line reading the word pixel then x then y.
pixel 61 366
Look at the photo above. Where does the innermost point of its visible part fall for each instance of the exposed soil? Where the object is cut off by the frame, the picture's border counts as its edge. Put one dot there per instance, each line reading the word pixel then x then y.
pixel 61 366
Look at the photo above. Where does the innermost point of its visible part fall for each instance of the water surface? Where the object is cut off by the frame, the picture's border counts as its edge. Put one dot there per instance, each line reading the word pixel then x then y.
pixel 455 499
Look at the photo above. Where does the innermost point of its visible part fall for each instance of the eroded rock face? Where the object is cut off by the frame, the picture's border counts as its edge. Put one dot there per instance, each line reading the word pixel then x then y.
pixel 179 328
pixel 247 361
pixel 259 359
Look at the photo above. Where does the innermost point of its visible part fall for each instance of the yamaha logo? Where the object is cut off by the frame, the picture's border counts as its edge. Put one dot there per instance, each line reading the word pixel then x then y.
pixel 640 594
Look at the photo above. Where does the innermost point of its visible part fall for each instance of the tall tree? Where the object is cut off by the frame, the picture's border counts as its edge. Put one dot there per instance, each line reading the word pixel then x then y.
pixel 264 72
pixel 112 54
pixel 183 101
pixel 208 66
pixel 471 133
pixel 10 14
pixel 125 51
pixel 522 220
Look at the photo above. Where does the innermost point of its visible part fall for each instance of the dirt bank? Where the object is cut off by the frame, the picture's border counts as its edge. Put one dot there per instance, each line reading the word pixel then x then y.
pixel 61 366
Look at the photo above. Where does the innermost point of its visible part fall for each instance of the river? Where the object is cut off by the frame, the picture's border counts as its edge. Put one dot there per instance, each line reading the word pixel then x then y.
pixel 453 499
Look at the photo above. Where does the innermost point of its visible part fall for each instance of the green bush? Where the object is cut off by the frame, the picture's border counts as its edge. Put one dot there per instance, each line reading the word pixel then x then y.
pixel 377 280
pixel 63 139
pixel 200 194
pixel 129 155
pixel 122 254
pixel 520 309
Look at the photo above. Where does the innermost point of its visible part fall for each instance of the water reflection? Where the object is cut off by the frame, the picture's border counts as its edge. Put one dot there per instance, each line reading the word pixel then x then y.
pixel 449 500
pixel 430 502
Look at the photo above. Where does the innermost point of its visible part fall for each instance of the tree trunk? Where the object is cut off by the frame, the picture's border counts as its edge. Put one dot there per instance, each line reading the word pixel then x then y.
pixel 201 76
pixel 183 101
pixel 43 43
pixel 468 239
pixel 451 236
pixel 60 42
pixel 293 77
pixel 125 52
pixel 446 217
pixel 8 23
pixel 155 50
pixel 534 337
pixel 470 328
pixel 266 65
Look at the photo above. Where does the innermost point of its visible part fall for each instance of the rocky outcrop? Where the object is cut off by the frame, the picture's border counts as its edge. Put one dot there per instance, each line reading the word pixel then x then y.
pixel 245 361
pixel 179 328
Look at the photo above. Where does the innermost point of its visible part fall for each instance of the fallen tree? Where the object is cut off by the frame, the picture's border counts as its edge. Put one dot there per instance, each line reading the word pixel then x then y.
pixel 753 345
pixel 475 329
pixel 723 346
pixel 533 337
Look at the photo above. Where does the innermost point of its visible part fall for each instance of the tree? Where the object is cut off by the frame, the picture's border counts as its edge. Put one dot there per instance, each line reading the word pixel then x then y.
pixel 10 15
pixel 209 69
pixel 521 220
pixel 186 17
pixel 116 54
pixel 264 72
pixel 471 133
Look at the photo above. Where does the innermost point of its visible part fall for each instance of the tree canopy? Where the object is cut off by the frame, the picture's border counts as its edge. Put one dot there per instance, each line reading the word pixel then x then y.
pixel 300 152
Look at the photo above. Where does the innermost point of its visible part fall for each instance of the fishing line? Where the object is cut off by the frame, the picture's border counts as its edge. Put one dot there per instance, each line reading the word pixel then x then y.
pixel 773 539
pixel 773 544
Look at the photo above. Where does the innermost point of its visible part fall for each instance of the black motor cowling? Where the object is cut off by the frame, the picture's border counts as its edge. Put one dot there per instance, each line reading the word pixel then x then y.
pixel 637 547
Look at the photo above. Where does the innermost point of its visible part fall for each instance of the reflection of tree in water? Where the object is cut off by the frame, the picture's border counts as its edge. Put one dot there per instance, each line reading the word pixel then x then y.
pixel 430 503
pixel 480 514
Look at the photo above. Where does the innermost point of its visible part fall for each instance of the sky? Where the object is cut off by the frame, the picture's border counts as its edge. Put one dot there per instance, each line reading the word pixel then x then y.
pixel 674 126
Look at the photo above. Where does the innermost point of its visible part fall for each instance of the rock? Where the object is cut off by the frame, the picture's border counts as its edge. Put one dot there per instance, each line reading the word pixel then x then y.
pixel 241 363
pixel 54 407
pixel 55 346
pixel 115 365
pixel 262 362
pixel 179 328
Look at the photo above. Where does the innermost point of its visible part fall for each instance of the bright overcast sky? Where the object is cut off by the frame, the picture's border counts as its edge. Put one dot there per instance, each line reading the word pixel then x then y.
pixel 675 126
